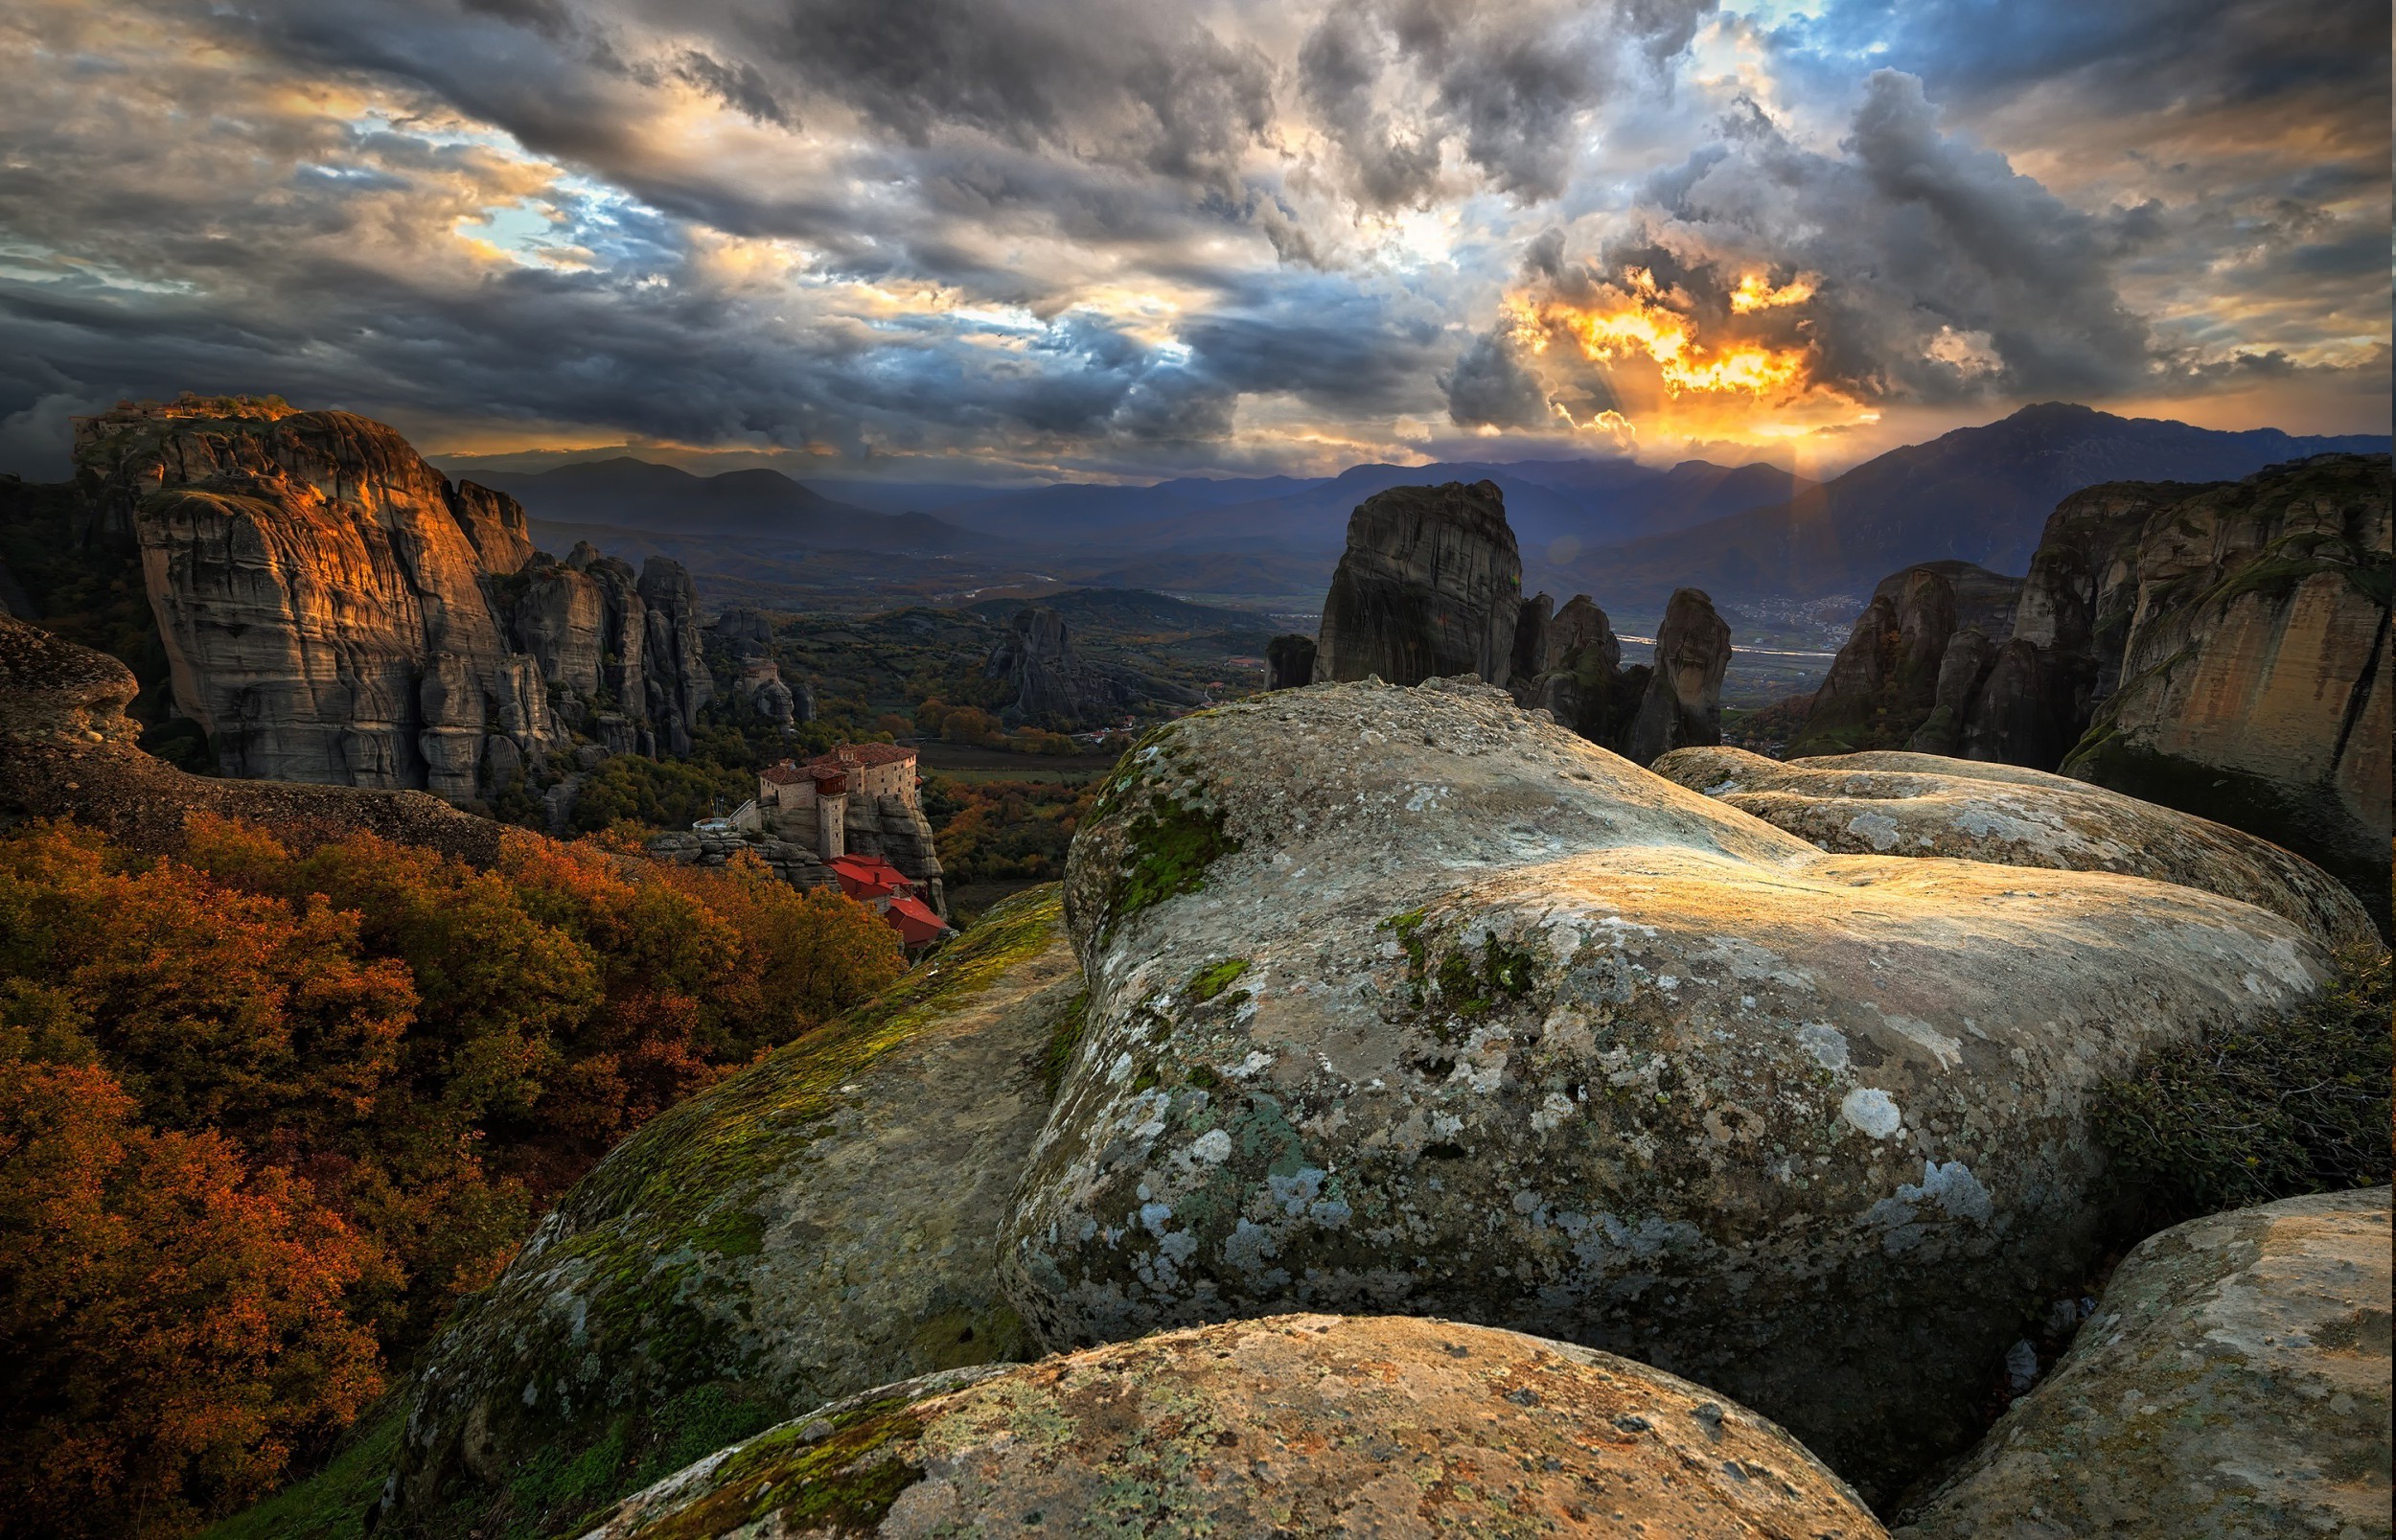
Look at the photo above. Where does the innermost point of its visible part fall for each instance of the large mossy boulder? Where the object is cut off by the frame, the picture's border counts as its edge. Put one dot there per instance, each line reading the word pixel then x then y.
pixel 2234 1382
pixel 1298 1425
pixel 1407 1000
pixel 819 1224
pixel 1903 804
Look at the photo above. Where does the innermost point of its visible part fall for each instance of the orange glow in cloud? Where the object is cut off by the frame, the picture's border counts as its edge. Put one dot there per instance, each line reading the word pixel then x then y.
pixel 1644 322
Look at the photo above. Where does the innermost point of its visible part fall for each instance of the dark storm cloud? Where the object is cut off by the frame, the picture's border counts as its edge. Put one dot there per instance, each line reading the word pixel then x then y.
pixel 1393 81
pixel 1087 231
pixel 1936 272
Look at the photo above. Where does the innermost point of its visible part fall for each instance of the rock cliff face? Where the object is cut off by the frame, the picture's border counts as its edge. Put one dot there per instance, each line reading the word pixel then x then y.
pixel 1054 686
pixel 1296 1425
pixel 1404 1000
pixel 2217 648
pixel 68 751
pixel 820 1223
pixel 1918 651
pixel 1684 701
pixel 1429 586
pixel 335 611
pixel 2234 1382
pixel 2254 681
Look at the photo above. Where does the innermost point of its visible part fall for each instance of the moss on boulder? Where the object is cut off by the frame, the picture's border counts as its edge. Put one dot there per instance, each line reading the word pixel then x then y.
pixel 818 1224
pixel 1298 1425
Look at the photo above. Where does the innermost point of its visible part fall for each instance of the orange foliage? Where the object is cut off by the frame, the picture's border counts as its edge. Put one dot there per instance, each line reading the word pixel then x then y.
pixel 264 1107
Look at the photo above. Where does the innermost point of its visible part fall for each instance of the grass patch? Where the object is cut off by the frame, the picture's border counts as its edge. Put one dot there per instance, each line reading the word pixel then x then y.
pixel 2274 1107
pixel 331 1504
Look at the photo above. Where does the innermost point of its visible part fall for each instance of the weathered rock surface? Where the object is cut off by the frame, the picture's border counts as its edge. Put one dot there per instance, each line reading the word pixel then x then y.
pixel 1429 586
pixel 2234 1382
pixel 1405 1001
pixel 1055 686
pixel 1289 662
pixel 2255 680
pixel 816 1226
pixel 1296 1425
pixel 67 750
pixel 335 611
pixel 1903 804
pixel 1684 700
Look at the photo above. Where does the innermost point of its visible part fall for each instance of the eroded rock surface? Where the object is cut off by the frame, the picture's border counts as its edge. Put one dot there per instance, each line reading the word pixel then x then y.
pixel 1298 1425
pixel 817 1224
pixel 335 611
pixel 1407 1000
pixel 1903 804
pixel 1430 586
pixel 67 750
pixel 2255 679
pixel 2234 1382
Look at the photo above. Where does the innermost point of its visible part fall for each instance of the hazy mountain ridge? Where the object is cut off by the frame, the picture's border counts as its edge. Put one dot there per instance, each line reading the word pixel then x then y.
pixel 1978 494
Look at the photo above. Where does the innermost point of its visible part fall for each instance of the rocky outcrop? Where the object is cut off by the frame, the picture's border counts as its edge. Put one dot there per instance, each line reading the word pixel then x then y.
pixel 1429 586
pixel 675 672
pixel 1903 804
pixel 2254 680
pixel 333 611
pixel 1289 662
pixel 2219 648
pixel 816 1226
pixel 1684 700
pixel 1407 1002
pixel 2233 1383
pixel 67 752
pixel 1886 686
pixel 1296 1425
pixel 1571 667
pixel 747 636
pixel 1054 686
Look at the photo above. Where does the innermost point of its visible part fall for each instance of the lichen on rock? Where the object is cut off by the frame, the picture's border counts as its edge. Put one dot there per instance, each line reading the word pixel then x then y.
pixel 1298 1425
pixel 1531 1037
pixel 2233 1382
pixel 819 1224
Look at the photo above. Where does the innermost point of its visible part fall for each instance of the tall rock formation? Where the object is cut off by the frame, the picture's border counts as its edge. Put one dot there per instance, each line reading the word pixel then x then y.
pixel 335 611
pixel 1289 662
pixel 2221 649
pixel 1891 676
pixel 1054 686
pixel 1683 708
pixel 1430 586
pixel 2253 680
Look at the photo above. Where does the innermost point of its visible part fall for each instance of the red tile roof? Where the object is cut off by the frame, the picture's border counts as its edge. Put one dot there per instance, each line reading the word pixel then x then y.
pixel 847 754
pixel 915 921
pixel 868 876
pixel 786 773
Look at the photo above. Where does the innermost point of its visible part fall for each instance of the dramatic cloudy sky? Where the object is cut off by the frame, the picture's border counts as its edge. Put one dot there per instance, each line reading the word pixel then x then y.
pixel 1010 237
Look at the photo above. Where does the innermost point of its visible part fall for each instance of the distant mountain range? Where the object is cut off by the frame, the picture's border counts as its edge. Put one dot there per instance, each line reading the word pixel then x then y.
pixel 1978 494
pixel 1616 527
pixel 759 506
